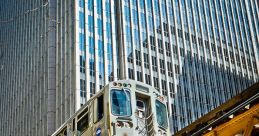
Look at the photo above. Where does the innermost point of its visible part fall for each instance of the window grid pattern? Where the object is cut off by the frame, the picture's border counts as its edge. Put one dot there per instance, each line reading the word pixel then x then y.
pixel 202 52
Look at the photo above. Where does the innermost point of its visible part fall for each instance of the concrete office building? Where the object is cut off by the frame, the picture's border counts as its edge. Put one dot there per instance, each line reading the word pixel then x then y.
pixel 56 54
pixel 27 74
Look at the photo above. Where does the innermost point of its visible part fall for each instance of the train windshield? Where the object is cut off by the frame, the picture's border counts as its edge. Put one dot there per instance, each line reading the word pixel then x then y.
pixel 161 114
pixel 121 105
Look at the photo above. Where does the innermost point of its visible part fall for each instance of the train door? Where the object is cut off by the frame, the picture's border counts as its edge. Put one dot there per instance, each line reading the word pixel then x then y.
pixel 98 116
pixel 143 115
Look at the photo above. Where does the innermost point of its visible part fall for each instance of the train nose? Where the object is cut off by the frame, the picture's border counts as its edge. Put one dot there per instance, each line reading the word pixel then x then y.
pixel 125 131
pixel 124 128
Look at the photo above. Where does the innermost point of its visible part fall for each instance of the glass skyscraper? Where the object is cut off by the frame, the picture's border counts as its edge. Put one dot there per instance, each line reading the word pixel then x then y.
pixel 197 53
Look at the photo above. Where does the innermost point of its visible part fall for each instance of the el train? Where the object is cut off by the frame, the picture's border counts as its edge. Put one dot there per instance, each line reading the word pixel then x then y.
pixel 121 108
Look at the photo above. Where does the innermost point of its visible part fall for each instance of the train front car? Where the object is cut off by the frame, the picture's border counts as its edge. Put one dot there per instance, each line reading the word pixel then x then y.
pixel 121 108
pixel 136 109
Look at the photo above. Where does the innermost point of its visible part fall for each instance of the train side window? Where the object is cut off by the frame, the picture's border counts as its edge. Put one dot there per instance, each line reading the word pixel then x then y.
pixel 73 125
pixel 83 124
pixel 98 105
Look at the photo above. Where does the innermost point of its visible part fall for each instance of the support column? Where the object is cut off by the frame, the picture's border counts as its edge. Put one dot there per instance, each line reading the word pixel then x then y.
pixel 51 61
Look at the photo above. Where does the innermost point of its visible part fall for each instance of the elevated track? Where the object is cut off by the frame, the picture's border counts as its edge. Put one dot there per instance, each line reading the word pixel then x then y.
pixel 238 116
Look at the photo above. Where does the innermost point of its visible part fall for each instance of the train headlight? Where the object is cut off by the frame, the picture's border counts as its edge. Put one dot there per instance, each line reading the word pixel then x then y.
pixel 121 84
pixel 160 132
pixel 128 124
pixel 119 124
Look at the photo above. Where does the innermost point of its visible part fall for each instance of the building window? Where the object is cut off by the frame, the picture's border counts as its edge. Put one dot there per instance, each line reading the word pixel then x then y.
pixel 130 56
pixel 156 84
pixel 82 88
pixel 193 39
pixel 160 46
pixel 154 63
pixel 131 73
pixel 170 69
pixel 92 89
pixel 148 80
pixel 166 32
pixel 164 88
pixel 177 69
pixel 145 43
pixel 226 54
pixel 171 88
pixel 92 67
pixel 146 60
pixel 175 52
pixel 180 33
pixel 139 76
pixel 152 43
pixel 168 49
pixel 162 66
pixel 82 64
pixel 182 52
pixel 138 57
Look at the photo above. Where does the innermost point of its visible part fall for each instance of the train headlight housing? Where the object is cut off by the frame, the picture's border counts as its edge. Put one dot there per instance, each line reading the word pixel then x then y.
pixel 160 132
pixel 119 124
pixel 128 124
pixel 121 84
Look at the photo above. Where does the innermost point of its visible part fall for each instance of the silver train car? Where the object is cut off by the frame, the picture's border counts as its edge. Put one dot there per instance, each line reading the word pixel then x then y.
pixel 121 108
